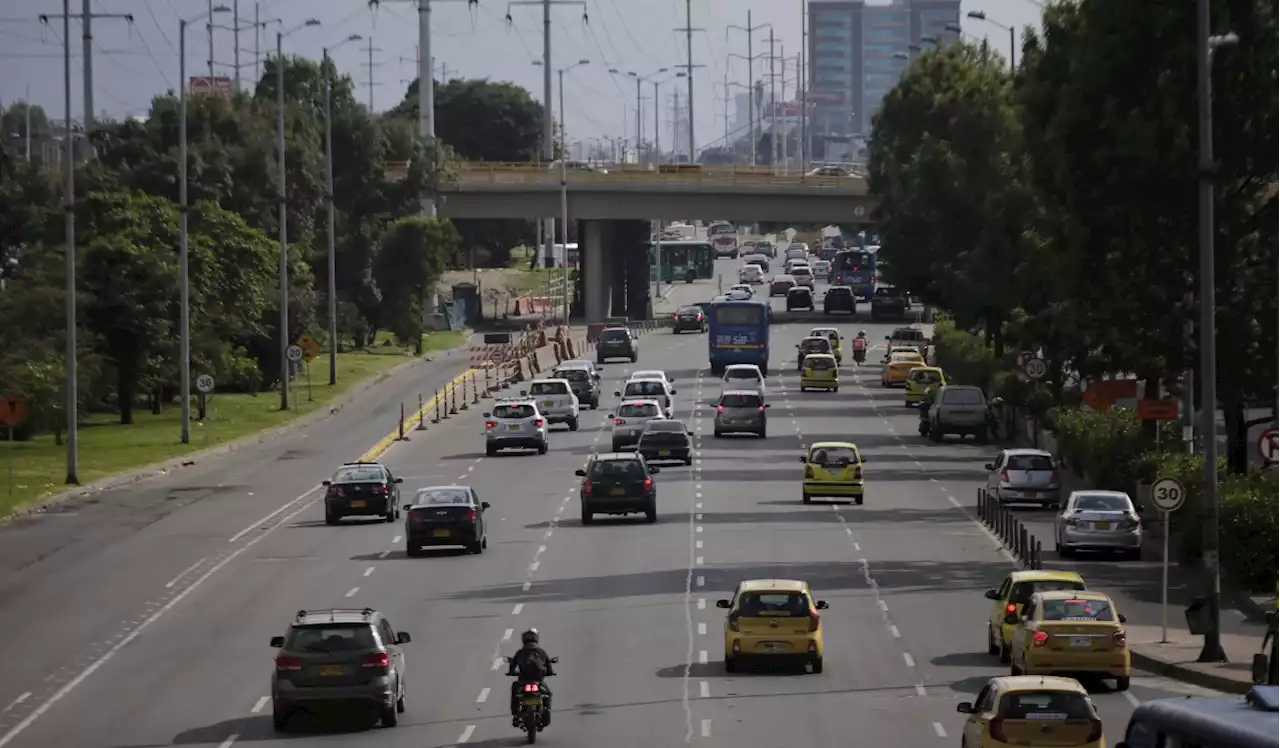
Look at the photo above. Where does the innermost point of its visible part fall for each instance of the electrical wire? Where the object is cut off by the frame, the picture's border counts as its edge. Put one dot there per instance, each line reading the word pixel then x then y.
pixel 160 28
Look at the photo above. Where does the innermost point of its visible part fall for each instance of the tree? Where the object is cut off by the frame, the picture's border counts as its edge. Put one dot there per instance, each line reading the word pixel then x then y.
pixel 482 120
pixel 13 121
pixel 408 265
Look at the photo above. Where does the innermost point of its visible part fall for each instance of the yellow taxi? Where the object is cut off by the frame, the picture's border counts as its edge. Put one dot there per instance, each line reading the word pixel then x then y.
pixel 888 352
pixel 832 334
pixel 920 381
pixel 1074 632
pixel 773 619
pixel 898 366
pixel 1031 712
pixel 1013 593
pixel 832 470
pixel 820 372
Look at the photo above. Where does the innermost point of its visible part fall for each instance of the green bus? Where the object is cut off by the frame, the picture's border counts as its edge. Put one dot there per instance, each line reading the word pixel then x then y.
pixel 685 260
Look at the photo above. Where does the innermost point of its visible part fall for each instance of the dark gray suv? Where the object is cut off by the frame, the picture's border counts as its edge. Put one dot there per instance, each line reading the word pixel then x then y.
pixel 338 657
pixel 617 342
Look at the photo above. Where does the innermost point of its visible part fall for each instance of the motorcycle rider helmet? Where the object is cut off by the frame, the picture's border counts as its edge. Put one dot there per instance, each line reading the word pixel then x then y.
pixel 862 333
pixel 529 637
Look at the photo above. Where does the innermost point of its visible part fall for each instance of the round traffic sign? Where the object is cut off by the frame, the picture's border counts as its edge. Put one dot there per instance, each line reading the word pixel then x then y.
pixel 13 410
pixel 204 383
pixel 859 211
pixel 1167 494
pixel 1035 368
pixel 294 353
pixel 1269 446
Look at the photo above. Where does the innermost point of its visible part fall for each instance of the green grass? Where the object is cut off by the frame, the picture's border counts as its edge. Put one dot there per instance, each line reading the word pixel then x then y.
pixel 107 448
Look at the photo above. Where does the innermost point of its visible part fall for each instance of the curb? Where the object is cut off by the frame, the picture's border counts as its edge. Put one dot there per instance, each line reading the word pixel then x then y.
pixel 157 469
pixel 1188 675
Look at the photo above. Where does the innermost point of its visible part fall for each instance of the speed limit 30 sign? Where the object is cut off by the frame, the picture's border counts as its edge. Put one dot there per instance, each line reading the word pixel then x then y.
pixel 1168 494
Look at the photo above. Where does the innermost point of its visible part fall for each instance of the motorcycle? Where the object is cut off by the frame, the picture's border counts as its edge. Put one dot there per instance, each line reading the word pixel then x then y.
pixel 859 355
pixel 531 716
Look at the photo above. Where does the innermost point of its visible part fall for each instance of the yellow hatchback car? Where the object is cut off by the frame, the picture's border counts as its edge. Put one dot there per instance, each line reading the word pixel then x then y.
pixel 1076 633
pixel 820 371
pixel 832 470
pixel 1032 712
pixel 920 381
pixel 773 619
pixel 899 366
pixel 834 336
pixel 1014 592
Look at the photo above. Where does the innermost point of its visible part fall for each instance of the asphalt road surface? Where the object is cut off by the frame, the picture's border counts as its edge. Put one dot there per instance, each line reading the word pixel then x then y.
pixel 114 658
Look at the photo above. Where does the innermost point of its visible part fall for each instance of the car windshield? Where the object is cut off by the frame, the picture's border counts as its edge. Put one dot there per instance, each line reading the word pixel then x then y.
pixel 513 411
pixel 361 474
pixel 1103 503
pixel 741 400
pixel 617 469
pixel 333 637
pixel 646 388
pixel 573 375
pixel 1042 705
pixel 1030 462
pixel 443 496
pixel 547 388
pixel 773 605
pixel 1077 610
pixel 963 397
pixel 1022 591
pixel 615 335
pixel 637 410
pixel 820 363
pixel 834 456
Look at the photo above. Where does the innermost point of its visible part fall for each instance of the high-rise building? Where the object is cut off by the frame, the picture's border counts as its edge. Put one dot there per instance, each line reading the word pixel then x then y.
pixel 857 52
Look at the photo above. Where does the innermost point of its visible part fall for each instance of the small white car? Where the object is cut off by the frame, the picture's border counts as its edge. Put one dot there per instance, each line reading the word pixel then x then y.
pixel 738 295
pixel 792 264
pixel 821 268
pixel 753 274
pixel 803 275
pixel 744 288
pixel 555 400
pixel 743 378
pixel 650 389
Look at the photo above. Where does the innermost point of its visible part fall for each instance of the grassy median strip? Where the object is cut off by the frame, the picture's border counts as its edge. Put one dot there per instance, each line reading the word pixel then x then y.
pixel 108 448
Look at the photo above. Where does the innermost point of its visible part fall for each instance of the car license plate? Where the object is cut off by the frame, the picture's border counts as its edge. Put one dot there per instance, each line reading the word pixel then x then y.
pixel 531 701
pixel 548 404
pixel 442 533
pixel 1029 494
pixel 358 504
pixel 664 453
pixel 1081 641
pixel 618 491
pixel 331 670
pixel 962 412
pixel 513 427
pixel 775 646
pixel 1102 525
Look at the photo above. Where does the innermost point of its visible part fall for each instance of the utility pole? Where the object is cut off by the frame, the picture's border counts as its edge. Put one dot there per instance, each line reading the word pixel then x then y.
pixel 86 34
pixel 257 45
pixel 657 133
pixel 688 71
pixel 235 44
pixel 803 83
pixel 773 106
pixel 235 28
pixel 26 128
pixel 369 49
pixel 753 106
pixel 209 29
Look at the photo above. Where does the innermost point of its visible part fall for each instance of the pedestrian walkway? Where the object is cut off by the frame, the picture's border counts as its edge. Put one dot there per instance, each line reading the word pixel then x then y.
pixel 1177 657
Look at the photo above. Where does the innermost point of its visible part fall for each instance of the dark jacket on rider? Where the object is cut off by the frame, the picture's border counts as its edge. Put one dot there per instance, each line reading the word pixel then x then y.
pixel 530 665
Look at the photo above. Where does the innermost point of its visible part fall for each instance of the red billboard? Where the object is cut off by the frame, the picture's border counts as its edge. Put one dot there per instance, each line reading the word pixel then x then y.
pixel 205 85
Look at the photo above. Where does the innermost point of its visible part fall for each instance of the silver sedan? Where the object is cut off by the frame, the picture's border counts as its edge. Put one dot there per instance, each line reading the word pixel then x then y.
pixel 1098 521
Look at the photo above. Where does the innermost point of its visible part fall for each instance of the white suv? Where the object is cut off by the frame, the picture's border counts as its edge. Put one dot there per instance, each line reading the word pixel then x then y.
pixel 515 424
pixel 650 389
pixel 555 400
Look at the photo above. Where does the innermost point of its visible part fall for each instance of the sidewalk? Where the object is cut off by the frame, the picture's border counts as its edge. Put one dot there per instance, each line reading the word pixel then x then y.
pixel 1177 657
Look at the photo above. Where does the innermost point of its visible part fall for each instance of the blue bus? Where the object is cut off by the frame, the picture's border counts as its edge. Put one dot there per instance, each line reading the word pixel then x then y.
pixel 856 268
pixel 738 333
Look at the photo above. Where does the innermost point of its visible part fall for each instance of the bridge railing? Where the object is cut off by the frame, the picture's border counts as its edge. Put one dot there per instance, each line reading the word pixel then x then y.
pixel 509 173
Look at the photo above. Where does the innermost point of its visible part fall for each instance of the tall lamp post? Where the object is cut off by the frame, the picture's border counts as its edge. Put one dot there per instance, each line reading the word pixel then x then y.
pixel 564 189
pixel 639 80
pixel 284 213
pixel 184 292
pixel 328 198
pixel 980 15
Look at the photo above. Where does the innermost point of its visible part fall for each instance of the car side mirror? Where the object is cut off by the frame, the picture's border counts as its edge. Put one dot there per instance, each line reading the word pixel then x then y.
pixel 554 660
pixel 326 483
pixel 864 460
pixel 674 391
pixel 989 466
pixel 580 473
pixel 654 471
pixel 991 595
pixel 486 415
pixel 595 376
pixel 1011 619
pixel 1140 509
pixel 403 637
pixel 719 604
pixel 965 707
pixel 821 605
pixel 887 338
pixel 1121 618
pixel 484 505
pixel 277 642
pixel 803 459
pixel 767 405
pixel 399 480
pixel 617 394
pixel 524 393
pixel 690 433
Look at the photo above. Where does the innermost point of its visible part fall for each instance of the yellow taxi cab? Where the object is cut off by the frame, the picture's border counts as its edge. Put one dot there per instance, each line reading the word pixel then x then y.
pixel 832 470
pixel 920 381
pixel 773 619
pixel 834 336
pixel 820 372
pixel 899 366
pixel 809 346
pixel 1031 712
pixel 1013 593
pixel 1074 632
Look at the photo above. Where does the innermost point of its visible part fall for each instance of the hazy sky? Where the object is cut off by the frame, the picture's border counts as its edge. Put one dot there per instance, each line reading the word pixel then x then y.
pixel 135 61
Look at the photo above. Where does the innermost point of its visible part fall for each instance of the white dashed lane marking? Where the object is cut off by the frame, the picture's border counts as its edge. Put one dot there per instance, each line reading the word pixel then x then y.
pixel 484 696
pixel 467 733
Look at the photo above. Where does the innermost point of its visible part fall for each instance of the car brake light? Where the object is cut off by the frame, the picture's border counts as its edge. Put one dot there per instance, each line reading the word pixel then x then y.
pixel 1095 731
pixel 586 485
pixel 719 408
pixel 734 623
pixel 857 472
pixel 469 515
pixel 287 663
pixel 1004 475
pixel 1054 478
pixel 1119 638
pixel 538 422
pixel 815 620
pixel 376 660
pixel 996 726
pixel 761 409
pixel 675 316
pixel 1039 638
pixel 1011 608
pixel 335 491
pixel 648 485
pixel 699 316
pixel 490 424
pixel 380 489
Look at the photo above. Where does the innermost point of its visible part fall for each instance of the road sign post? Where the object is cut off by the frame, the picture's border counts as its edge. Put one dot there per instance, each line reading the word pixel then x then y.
pixel 1167 496
pixel 310 349
pixel 1035 369
pixel 1269 447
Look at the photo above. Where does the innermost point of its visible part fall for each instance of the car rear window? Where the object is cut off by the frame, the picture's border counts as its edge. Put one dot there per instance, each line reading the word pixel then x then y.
pixel 820 364
pixel 773 605
pixel 905 334
pixel 548 388
pixel 1029 462
pixel 573 375
pixel 1088 503
pixel 513 411
pixel 833 456
pixel 1078 610
pixel 615 335
pixel 839 291
pixel 820 345
pixel 673 427
pixel 639 410
pixel 331 637
pixel 801 271
pixel 925 376
pixel 689 310
pixel 645 388
pixel 963 397
pixel 443 496
pixel 741 401
pixel 1022 591
pixel 616 469
pixel 902 357
pixel 358 475
pixel 1045 705
pixel 742 374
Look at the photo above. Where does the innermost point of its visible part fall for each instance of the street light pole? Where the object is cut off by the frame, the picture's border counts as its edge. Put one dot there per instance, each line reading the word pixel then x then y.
pixel 328 176
pixel 751 82
pixel 69 218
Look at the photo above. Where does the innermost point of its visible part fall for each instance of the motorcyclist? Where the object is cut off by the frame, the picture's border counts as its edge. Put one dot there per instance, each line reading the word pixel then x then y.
pixel 860 346
pixel 530 664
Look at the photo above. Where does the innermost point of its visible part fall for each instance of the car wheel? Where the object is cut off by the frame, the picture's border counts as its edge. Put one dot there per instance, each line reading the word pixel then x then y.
pixel 1005 655
pixel 634 358
pixel 857 500
pixel 390 516
pixel 400 702
pixel 717 433
pixel 835 389
pixel 803 389
pixel 616 446
pixel 573 424
pixel 279 719
pixel 816 664
pixel 542 448
pixel 651 514
pixel 412 550
pixel 1063 550
pixel 389 716
pixel 688 460
pixel 489 451
pixel 599 360
pixel 587 517
pixel 475 548
pixel 935 434
pixel 1122 683
pixel 331 518
pixel 992 647
pixel 806 498
pixel 1134 555
pixel 762 433
pixel 729 665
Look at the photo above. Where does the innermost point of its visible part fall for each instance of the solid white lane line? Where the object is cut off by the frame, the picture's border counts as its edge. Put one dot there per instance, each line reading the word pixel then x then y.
pixel 261 702
pixel 352 592
pixel 229 741
pixel 702 628
pixel 497 663
pixel 506 635
pixel 938 728
pixel 268 518
pixel 907 658
pixel 526 586
pixel 704 689
pixel 857 547
pixel 185 572
pixel 706 728
pixel 883 605
pixel 467 732
pixel 483 697
pixel 515 611
pixel 542 549
pixel 385 553
pixel 368 571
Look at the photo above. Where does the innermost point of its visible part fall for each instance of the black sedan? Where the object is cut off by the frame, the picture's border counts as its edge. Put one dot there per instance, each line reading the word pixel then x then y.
pixel 446 516
pixel 362 489
pixel 689 318
pixel 666 441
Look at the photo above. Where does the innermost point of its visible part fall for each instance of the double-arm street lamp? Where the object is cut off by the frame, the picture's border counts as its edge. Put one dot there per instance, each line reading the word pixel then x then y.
pixel 328 198
pixel 981 15
pixel 564 189
pixel 639 79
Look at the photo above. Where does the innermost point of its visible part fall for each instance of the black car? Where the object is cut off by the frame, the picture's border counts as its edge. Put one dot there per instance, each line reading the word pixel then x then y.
pixel 618 483
pixel 800 297
pixel 446 516
pixel 617 342
pixel 583 381
pixel 839 299
pixel 689 318
pixel 362 489
pixel 888 304
pixel 666 441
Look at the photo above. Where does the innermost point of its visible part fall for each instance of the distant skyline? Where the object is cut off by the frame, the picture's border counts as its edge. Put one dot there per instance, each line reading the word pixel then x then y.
pixel 133 62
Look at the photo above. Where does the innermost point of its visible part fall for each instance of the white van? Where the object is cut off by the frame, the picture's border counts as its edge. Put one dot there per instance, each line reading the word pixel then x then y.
pixel 555 400
pixel 752 274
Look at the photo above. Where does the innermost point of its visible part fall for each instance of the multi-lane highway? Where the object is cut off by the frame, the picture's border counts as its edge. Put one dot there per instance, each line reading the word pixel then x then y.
pixel 164 641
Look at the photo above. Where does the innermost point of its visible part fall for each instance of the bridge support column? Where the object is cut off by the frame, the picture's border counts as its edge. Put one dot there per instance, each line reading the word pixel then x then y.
pixel 631 246
pixel 596 271
pixel 616 276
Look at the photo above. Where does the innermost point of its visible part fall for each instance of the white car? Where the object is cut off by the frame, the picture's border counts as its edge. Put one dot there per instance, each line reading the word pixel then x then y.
pixel 652 374
pixel 650 389
pixel 751 274
pixel 743 378
pixel 794 263
pixel 514 424
pixel 744 288
pixel 630 420
pixel 555 400
pixel 803 275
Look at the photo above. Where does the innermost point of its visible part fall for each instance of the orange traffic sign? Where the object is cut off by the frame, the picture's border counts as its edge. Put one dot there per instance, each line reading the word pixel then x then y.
pixel 310 347
pixel 1101 395
pixel 1164 409
pixel 13 410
